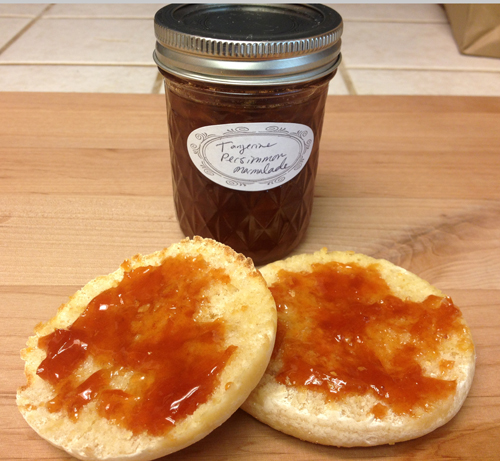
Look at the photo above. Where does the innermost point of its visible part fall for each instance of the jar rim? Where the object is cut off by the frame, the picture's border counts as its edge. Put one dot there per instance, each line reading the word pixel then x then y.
pixel 249 44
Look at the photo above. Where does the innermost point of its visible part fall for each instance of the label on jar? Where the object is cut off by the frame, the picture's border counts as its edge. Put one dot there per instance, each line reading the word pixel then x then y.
pixel 251 156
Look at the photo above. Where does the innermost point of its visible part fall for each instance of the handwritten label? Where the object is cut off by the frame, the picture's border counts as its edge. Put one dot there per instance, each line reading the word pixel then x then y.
pixel 251 156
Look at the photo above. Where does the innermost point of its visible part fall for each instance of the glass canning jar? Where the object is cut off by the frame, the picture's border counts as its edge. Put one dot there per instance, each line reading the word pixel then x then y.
pixel 245 88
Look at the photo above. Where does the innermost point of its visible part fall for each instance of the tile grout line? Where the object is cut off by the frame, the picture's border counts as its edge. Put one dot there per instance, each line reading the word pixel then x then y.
pixel 157 84
pixel 343 70
pixel 351 89
pixel 399 21
pixel 83 17
pixel 77 63
pixel 25 28
pixel 423 69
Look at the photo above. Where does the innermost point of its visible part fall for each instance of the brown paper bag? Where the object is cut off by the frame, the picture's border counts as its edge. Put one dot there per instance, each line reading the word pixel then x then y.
pixel 476 28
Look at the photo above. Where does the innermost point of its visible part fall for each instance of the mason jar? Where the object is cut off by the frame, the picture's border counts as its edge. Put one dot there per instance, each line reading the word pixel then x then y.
pixel 245 89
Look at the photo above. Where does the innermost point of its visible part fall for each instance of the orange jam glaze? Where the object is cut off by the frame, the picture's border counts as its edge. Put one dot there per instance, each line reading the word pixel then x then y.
pixel 341 332
pixel 146 325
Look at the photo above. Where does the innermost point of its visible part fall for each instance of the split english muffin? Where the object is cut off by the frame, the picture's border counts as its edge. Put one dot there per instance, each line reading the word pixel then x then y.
pixel 152 357
pixel 366 352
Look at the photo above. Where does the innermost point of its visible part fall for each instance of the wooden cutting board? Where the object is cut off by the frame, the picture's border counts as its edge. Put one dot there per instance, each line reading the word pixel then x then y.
pixel 85 183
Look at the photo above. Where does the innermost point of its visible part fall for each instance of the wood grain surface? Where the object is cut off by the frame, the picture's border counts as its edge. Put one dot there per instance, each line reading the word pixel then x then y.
pixel 85 183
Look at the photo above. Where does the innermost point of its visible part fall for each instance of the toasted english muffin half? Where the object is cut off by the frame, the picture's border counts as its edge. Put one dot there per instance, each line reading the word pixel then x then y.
pixel 366 352
pixel 152 357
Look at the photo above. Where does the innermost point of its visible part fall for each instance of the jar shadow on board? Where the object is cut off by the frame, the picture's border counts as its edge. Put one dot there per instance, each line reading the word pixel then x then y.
pixel 244 143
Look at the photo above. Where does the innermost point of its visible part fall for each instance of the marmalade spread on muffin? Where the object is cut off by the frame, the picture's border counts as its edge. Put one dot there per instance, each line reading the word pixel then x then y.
pixel 155 362
pixel 342 332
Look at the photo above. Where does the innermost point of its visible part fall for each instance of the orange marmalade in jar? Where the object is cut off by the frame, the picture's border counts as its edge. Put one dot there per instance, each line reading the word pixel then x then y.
pixel 245 88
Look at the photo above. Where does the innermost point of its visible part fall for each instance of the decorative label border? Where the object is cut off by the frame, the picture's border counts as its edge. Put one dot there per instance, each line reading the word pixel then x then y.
pixel 251 156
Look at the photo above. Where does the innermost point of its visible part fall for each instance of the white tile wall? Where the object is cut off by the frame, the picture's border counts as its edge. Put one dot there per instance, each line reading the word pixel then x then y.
pixel 11 28
pixel 21 10
pixel 87 41
pixel 387 49
pixel 96 10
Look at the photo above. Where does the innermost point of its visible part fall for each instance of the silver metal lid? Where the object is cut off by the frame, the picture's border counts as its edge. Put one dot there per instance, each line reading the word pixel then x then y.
pixel 251 44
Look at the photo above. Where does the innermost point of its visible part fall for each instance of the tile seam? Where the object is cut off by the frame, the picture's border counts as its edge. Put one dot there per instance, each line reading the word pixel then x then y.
pixel 351 89
pixel 396 21
pixel 141 18
pixel 425 69
pixel 76 63
pixel 346 68
pixel 17 16
pixel 157 84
